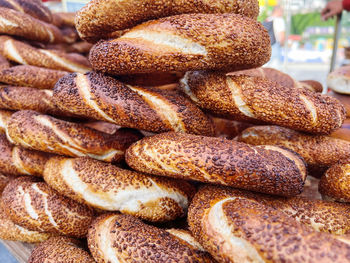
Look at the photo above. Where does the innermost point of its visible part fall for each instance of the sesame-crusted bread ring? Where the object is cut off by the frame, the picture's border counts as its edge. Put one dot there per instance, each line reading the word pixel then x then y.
pixel 101 97
pixel 94 23
pixel 335 183
pixel 10 231
pixel 24 98
pixel 234 228
pixel 60 250
pixel 31 76
pixel 35 8
pixel 118 238
pixel 322 216
pixel 312 85
pixel 259 99
pixel 185 42
pixel 5 115
pixel 265 169
pixel 23 25
pixel 36 206
pixel 107 187
pixel 25 54
pixel 15 160
pixel 36 131
pixel 318 151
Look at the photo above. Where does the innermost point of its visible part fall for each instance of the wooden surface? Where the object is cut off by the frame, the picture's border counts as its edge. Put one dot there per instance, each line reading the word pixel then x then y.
pixel 21 251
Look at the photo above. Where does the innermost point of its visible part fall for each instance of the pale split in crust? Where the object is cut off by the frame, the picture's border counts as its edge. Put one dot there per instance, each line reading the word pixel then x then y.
pixel 259 99
pixel 266 169
pixel 24 98
pixel 234 228
pixel 335 183
pixel 318 151
pixel 60 250
pixel 185 42
pixel 34 205
pixel 35 8
pixel 23 25
pixel 123 238
pixel 11 231
pixel 31 76
pixel 40 132
pixel 93 22
pixel 25 54
pixel 101 97
pixel 5 115
pixel 15 160
pixel 280 77
pixel 107 187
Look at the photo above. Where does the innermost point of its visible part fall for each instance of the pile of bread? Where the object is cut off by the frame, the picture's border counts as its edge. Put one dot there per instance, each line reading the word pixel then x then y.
pixel 158 154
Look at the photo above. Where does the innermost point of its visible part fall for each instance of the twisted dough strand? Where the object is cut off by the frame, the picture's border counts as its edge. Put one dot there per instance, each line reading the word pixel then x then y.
pixel 266 169
pixel 110 188
pixel 257 99
pixel 185 42
pixel 36 206
pixel 23 98
pixel 25 54
pixel 93 23
pixel 15 160
pixel 117 238
pixel 249 231
pixel 31 76
pixel 44 133
pixel 97 96
pixel 22 25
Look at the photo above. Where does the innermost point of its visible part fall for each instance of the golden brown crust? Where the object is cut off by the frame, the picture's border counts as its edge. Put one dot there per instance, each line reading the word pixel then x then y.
pixel 34 8
pixel 335 184
pixel 44 133
pixel 107 187
pixel 94 23
pixel 31 76
pixel 16 160
pixel 102 126
pixel 318 151
pixel 22 53
pixel 60 250
pixel 11 231
pixel 258 99
pixel 23 25
pixel 312 85
pixel 151 80
pixel 36 206
pixel 97 96
pixel 280 77
pixel 234 228
pixel 23 98
pixel 185 42
pixel 344 99
pixel 123 238
pixel 219 161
